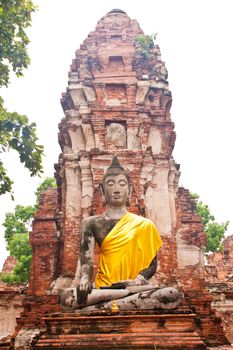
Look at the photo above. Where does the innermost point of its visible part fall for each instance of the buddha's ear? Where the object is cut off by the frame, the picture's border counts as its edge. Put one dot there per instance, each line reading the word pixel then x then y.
pixel 129 195
pixel 102 193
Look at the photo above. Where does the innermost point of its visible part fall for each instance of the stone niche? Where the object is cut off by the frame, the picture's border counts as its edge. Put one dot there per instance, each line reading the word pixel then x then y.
pixel 116 62
pixel 115 136
pixel 115 95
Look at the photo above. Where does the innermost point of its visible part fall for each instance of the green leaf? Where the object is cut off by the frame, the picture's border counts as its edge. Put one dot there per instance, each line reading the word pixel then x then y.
pixel 15 18
pixel 145 43
pixel 18 134
pixel 16 225
pixel 215 232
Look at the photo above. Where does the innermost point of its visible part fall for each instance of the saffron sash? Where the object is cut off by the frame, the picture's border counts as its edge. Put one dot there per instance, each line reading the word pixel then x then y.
pixel 129 248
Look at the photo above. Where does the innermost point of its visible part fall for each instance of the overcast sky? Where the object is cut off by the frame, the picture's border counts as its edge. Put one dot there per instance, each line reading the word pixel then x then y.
pixel 195 39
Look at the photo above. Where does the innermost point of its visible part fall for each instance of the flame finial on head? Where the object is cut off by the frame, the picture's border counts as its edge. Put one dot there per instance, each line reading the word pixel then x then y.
pixel 115 168
pixel 115 164
pixel 117 11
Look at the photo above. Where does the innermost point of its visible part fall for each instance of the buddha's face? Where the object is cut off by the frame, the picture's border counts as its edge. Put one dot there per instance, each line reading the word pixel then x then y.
pixel 116 190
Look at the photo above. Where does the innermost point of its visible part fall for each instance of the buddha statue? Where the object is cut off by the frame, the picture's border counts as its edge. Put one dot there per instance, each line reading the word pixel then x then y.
pixel 128 255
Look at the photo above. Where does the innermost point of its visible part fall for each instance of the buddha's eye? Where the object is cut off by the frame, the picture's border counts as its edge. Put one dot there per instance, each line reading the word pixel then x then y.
pixel 110 183
pixel 122 183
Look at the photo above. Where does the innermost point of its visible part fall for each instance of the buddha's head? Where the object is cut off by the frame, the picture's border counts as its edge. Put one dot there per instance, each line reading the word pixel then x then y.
pixel 116 186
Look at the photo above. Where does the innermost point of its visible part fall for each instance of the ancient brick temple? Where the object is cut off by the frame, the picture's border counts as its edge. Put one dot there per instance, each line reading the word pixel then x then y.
pixel 117 102
pixel 219 278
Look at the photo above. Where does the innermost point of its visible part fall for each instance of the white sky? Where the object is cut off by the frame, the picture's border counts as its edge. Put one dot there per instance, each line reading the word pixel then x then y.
pixel 196 43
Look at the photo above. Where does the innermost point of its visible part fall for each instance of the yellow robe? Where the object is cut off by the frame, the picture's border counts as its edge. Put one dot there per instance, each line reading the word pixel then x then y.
pixel 129 248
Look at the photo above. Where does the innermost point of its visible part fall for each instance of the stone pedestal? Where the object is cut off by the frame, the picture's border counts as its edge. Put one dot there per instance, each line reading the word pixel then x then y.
pixel 138 330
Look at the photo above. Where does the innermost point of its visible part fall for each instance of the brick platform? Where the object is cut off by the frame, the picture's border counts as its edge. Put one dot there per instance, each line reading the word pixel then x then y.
pixel 129 331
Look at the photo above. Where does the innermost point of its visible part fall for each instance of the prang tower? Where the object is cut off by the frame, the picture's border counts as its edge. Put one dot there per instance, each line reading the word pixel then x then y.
pixel 118 103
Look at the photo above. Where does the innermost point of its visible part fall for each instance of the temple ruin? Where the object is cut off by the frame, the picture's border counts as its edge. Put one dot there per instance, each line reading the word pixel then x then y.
pixel 117 102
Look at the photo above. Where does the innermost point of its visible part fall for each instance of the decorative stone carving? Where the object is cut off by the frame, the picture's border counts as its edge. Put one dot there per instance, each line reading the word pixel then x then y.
pixel 89 93
pixel 142 90
pixel 77 94
pixel 89 136
pixel 73 189
pixel 155 139
pixel 86 183
pixel 172 191
pixel 157 199
pixel 133 138
pixel 115 136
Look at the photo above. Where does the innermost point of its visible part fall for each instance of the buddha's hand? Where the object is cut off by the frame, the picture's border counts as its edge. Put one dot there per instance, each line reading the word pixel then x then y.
pixel 83 289
pixel 138 281
pixel 85 285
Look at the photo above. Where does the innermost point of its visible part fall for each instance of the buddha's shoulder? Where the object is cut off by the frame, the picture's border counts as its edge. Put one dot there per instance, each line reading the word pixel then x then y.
pixel 93 220
pixel 141 219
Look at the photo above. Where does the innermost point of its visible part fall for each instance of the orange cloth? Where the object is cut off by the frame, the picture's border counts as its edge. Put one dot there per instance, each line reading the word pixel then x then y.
pixel 129 248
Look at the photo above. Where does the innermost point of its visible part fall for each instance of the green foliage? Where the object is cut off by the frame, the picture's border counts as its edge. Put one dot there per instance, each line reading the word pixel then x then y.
pixel 17 224
pixel 9 278
pixel 203 210
pixel 215 234
pixel 15 130
pixel 15 18
pixel 48 182
pixel 145 43
pixel 20 248
pixel 214 231
pixel 17 133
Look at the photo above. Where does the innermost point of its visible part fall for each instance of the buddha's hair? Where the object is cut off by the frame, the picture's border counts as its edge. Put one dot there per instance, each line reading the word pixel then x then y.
pixel 115 169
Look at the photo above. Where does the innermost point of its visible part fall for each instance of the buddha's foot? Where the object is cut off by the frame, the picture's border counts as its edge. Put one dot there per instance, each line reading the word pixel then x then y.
pixel 164 298
pixel 68 297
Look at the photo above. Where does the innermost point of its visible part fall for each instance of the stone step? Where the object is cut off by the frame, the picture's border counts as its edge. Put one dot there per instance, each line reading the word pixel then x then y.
pixel 120 323
pixel 221 347
pixel 154 340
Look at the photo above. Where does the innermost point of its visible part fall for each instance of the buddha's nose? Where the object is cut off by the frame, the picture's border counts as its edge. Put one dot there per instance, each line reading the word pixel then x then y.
pixel 116 189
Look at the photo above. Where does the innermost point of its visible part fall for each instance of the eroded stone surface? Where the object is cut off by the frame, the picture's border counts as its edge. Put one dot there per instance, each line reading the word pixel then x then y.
pixel 9 264
pixel 24 339
pixel 222 263
pixel 164 298
pixel 11 299
pixel 219 274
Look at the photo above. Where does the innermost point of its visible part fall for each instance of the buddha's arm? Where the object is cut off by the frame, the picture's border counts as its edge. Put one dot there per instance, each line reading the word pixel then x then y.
pixel 149 271
pixel 87 259
pixel 144 275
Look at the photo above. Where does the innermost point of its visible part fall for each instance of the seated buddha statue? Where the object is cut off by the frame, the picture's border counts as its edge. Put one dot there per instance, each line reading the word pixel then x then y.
pixel 128 255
